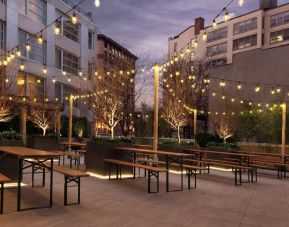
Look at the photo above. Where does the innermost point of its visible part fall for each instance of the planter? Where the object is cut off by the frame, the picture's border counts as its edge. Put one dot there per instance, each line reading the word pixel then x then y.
pixel 43 143
pixel 9 164
pixel 97 152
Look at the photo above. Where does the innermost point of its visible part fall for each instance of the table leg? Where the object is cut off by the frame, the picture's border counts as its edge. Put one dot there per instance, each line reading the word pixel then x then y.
pixel 167 173
pixel 51 181
pixel 20 172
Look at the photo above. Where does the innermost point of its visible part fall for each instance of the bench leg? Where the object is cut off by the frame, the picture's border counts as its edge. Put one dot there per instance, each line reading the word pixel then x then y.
pixel 2 198
pixel 190 173
pixel 43 177
pixel 150 175
pixel 65 190
pixel 32 175
pixel 109 170
pixel 78 200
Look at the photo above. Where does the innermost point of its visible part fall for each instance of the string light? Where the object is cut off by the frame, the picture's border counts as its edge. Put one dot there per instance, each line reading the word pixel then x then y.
pixel 241 3
pixel 22 66
pixel 205 36
pixel 45 69
pixel 214 23
pixel 74 19
pixel 97 3
pixel 28 47
pixel 40 39
pixel 18 53
pixel 226 16
pixel 239 86
pixel 57 27
pixel 257 88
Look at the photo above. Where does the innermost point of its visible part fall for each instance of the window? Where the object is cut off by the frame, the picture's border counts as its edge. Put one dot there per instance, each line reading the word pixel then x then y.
pixel 217 49
pixel 35 9
pixel 218 34
pixel 68 29
pixel 37 52
pixel 90 40
pixel 3 1
pixel 245 42
pixel 90 70
pixel 218 62
pixel 67 91
pixel 279 36
pixel 63 92
pixel 2 35
pixel 175 47
pixel 245 26
pixel 66 61
pixel 279 19
pixel 35 86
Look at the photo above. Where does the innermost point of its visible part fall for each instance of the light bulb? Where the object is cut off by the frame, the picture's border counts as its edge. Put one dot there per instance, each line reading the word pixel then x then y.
pixel 226 16
pixel 57 28
pixel 40 40
pixel 257 89
pixel 18 53
pixel 74 19
pixel 241 3
pixel 214 23
pixel 12 56
pixel 28 47
pixel 45 69
pixel 239 86
pixel 22 66
pixel 205 36
pixel 97 3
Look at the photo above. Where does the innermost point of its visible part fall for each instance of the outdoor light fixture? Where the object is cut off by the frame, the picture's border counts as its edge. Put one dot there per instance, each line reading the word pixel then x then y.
pixel 241 3
pixel 12 56
pixel 40 39
pixel 18 53
pixel 45 69
pixel 239 86
pixel 97 3
pixel 205 36
pixel 5 62
pixel 226 16
pixel 257 88
pixel 22 66
pixel 74 19
pixel 214 23
pixel 57 27
pixel 27 46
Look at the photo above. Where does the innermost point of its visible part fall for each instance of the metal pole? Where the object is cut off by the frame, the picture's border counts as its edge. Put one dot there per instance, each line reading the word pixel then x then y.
pixel 195 123
pixel 70 121
pixel 284 110
pixel 156 108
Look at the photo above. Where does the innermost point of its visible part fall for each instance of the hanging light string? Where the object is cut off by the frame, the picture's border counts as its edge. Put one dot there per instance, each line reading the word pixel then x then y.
pixel 38 35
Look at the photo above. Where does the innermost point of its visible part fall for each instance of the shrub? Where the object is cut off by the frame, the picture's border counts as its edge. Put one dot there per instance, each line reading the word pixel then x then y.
pixel 10 135
pixel 176 143
pixel 116 140
pixel 204 138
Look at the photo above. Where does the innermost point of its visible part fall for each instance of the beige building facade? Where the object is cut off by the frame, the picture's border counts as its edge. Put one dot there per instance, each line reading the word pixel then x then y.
pixel 250 49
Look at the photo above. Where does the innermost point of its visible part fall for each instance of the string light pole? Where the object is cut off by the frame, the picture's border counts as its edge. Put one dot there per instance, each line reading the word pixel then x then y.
pixel 70 120
pixel 284 110
pixel 156 108
pixel 195 123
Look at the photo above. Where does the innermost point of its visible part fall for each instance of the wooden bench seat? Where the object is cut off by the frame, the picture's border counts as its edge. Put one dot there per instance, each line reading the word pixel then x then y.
pixel 236 168
pixel 3 180
pixel 70 176
pixel 190 169
pixel 152 171
pixel 271 165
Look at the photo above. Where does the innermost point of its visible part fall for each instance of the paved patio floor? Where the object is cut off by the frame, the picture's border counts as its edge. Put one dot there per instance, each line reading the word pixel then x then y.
pixel 215 202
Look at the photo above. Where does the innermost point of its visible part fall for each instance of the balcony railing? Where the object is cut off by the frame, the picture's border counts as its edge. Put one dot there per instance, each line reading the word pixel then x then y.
pixel 87 15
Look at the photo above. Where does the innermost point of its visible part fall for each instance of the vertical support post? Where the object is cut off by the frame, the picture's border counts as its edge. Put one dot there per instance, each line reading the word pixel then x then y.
pixel 195 123
pixel 57 122
pixel 23 124
pixel 284 110
pixel 70 121
pixel 156 109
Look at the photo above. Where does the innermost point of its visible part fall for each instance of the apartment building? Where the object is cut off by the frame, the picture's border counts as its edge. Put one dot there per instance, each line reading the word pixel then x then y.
pixel 58 66
pixel 251 48
pixel 115 62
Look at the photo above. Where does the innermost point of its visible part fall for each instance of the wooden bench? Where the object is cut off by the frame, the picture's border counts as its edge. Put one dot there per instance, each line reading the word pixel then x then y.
pixel 3 179
pixel 236 169
pixel 190 169
pixel 271 165
pixel 152 171
pixel 71 155
pixel 70 176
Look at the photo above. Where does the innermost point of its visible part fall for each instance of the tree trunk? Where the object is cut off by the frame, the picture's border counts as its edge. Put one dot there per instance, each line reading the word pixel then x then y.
pixel 179 136
pixel 225 141
pixel 44 131
pixel 112 133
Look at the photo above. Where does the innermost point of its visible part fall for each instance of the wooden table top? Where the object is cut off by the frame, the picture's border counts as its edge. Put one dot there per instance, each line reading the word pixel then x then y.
pixel 221 152
pixel 24 152
pixel 148 151
pixel 262 153
pixel 72 144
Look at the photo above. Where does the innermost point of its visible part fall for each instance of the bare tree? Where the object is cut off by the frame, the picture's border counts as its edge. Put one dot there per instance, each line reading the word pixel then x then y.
pixel 175 115
pixel 40 118
pixel 6 109
pixel 185 85
pixel 223 126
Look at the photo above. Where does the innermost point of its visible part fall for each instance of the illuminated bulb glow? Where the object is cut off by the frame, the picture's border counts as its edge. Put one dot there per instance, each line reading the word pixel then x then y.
pixel 97 3
pixel 74 19
pixel 241 3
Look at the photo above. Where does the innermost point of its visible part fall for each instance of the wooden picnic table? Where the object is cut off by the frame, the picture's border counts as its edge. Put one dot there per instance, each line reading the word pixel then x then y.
pixel 23 154
pixel 171 158
pixel 241 156
pixel 76 145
